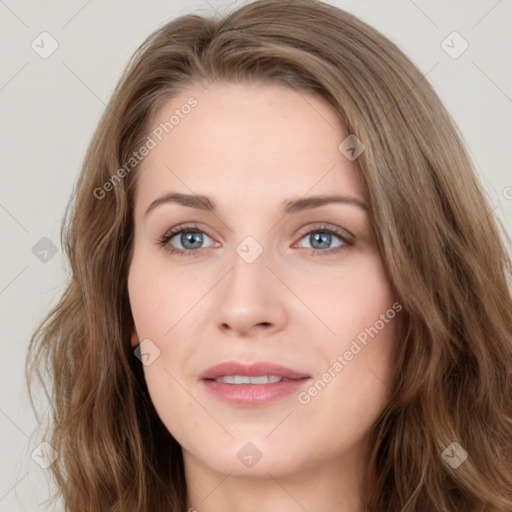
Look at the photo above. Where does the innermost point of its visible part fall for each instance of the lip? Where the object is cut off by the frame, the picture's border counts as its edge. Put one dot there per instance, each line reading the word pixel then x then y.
pixel 251 370
pixel 252 395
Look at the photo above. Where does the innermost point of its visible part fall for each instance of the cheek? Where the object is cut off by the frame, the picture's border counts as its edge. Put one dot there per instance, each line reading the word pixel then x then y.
pixel 353 386
pixel 347 299
pixel 159 302
pixel 161 295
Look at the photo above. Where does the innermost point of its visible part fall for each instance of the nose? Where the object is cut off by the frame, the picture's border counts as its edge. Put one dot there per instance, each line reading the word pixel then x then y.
pixel 251 300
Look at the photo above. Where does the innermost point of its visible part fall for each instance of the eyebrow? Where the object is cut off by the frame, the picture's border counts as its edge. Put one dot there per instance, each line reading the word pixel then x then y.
pixel 202 202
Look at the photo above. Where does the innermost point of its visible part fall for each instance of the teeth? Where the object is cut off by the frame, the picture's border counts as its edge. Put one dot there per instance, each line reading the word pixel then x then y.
pixel 244 379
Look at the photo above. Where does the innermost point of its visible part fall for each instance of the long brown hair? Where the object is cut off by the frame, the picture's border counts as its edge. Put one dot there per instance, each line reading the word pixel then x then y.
pixel 442 247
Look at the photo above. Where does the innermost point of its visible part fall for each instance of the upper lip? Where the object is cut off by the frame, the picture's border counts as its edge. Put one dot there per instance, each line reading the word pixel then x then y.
pixel 251 370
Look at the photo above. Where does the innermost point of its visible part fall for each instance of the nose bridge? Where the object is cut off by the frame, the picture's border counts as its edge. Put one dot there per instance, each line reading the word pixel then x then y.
pixel 250 250
pixel 249 296
pixel 249 267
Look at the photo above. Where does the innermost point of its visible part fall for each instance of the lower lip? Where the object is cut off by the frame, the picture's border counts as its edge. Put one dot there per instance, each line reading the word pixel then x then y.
pixel 253 395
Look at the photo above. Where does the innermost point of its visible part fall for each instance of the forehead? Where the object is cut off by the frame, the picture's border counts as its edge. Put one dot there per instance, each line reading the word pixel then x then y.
pixel 247 140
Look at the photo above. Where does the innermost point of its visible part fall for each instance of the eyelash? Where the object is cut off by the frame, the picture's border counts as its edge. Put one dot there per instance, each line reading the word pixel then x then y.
pixel 163 241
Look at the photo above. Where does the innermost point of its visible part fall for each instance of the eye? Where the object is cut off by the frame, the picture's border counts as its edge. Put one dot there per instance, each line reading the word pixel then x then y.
pixel 321 239
pixel 191 239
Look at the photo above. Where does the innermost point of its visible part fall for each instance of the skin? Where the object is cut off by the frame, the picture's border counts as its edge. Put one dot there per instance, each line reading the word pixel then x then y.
pixel 250 148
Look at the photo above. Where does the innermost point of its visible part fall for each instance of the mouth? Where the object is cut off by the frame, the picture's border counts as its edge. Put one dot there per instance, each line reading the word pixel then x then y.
pixel 252 385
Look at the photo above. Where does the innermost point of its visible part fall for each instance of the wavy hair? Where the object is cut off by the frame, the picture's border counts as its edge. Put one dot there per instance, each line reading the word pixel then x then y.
pixel 443 249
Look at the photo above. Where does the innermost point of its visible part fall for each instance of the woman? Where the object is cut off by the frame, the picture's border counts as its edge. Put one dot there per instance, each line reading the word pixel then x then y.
pixel 210 352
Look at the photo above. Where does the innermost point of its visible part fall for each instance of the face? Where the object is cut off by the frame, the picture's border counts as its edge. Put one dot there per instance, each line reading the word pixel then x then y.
pixel 288 294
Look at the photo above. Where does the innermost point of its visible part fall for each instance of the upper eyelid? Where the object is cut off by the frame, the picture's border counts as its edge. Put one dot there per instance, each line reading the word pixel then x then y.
pixel 327 227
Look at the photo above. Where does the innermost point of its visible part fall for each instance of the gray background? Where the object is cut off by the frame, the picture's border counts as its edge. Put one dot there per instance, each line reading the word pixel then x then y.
pixel 49 108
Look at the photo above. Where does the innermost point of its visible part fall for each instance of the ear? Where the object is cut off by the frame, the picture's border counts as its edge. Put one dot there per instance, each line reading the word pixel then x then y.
pixel 134 338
